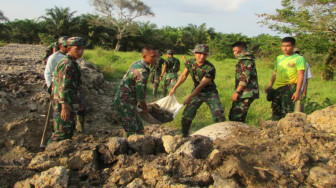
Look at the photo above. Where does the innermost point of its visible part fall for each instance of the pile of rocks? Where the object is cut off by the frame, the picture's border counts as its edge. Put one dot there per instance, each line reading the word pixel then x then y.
pixel 298 150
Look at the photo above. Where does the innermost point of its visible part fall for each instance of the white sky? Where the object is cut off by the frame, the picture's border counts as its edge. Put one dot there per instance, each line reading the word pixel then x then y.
pixel 226 16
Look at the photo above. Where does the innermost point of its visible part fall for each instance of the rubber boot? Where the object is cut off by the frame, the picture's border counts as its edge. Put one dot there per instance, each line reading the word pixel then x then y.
pixel 165 91
pixel 155 91
pixel 185 127
pixel 80 124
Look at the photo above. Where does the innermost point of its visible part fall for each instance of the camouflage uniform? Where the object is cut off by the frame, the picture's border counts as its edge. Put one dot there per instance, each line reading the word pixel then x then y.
pixel 282 102
pixel 246 75
pixel 173 66
pixel 132 89
pixel 50 51
pixel 155 73
pixel 66 90
pixel 208 94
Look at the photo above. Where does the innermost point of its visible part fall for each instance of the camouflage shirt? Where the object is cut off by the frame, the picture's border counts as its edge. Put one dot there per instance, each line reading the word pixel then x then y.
pixel 157 68
pixel 132 88
pixel 50 51
pixel 172 64
pixel 197 73
pixel 246 75
pixel 67 83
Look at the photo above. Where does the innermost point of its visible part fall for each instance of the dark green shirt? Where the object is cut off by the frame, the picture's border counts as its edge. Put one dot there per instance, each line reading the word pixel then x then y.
pixel 172 65
pixel 197 73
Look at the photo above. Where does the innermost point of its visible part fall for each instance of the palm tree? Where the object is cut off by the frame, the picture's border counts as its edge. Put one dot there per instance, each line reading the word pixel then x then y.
pixel 60 21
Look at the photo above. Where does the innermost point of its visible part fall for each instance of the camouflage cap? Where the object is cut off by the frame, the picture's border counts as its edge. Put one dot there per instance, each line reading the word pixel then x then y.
pixel 201 48
pixel 62 40
pixel 76 41
pixel 169 52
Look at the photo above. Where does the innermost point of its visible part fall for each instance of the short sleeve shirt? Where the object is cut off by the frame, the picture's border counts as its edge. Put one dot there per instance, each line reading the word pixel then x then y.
pixel 197 73
pixel 287 68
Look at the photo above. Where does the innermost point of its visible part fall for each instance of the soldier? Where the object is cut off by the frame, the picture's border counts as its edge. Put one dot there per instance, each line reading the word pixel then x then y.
pixel 203 74
pixel 286 79
pixel 53 60
pixel 66 90
pixel 132 90
pixel 246 85
pixel 51 49
pixel 171 68
pixel 156 72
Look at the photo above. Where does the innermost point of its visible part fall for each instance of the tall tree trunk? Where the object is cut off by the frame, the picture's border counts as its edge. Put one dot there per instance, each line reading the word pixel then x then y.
pixel 117 47
pixel 328 70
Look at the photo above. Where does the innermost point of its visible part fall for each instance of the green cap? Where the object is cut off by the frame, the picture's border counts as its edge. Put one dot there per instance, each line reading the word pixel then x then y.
pixel 169 51
pixel 201 48
pixel 62 41
pixel 76 41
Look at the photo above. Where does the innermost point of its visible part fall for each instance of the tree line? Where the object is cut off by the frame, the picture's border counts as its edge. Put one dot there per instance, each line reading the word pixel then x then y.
pixel 312 23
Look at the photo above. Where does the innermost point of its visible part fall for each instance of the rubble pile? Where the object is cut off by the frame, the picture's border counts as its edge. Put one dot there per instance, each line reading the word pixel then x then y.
pixel 297 151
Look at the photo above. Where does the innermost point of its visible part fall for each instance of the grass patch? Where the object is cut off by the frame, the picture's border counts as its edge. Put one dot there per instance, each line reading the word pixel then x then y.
pixel 2 43
pixel 115 64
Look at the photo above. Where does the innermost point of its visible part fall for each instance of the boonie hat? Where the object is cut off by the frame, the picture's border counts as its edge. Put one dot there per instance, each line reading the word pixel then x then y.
pixel 201 48
pixel 76 41
pixel 62 40
pixel 169 51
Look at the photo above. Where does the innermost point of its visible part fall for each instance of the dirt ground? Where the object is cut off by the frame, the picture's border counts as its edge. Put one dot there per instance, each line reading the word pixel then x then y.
pixel 297 151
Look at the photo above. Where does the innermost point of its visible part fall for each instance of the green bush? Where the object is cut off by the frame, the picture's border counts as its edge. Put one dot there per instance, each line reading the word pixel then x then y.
pixel 46 39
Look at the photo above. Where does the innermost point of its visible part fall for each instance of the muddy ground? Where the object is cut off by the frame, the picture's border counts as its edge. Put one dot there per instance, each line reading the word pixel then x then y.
pixel 297 151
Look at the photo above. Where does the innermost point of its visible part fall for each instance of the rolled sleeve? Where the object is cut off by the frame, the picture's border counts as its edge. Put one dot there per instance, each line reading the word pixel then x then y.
pixel 245 73
pixel 141 86
pixel 66 84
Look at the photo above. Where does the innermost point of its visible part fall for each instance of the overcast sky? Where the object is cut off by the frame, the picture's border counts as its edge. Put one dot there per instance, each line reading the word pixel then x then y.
pixel 226 16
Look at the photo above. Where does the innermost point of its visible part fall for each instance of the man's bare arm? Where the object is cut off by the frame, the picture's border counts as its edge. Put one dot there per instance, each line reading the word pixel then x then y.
pixel 271 83
pixel 182 78
pixel 204 82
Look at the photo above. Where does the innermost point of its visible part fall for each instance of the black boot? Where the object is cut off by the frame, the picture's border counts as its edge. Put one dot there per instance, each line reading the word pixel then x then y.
pixel 185 127
pixel 155 91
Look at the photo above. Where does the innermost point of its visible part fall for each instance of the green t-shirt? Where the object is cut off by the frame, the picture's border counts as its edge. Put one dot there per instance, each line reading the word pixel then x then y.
pixel 287 68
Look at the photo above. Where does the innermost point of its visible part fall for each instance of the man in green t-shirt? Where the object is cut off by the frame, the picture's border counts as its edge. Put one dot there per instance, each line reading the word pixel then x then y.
pixel 287 79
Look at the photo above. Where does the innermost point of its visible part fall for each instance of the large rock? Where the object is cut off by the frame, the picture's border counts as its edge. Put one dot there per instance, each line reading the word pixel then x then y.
pixel 322 177
pixel 142 144
pixel 171 143
pixel 54 177
pixel 113 147
pixel 136 183
pixel 123 176
pixel 223 183
pixel 324 120
pixel 219 130
pixel 198 147
pixel 152 173
pixel 75 154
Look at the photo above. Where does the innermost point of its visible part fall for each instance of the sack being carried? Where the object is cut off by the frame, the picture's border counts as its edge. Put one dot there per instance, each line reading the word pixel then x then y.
pixel 162 111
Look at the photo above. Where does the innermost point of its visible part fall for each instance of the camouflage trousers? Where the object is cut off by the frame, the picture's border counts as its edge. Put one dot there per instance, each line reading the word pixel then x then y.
pixel 282 102
pixel 131 122
pixel 170 80
pixel 239 109
pixel 155 79
pixel 189 113
pixel 62 130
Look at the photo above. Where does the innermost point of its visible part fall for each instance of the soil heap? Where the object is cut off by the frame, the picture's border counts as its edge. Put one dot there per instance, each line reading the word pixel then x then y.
pixel 297 151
